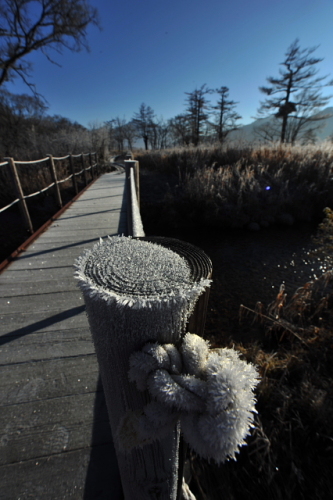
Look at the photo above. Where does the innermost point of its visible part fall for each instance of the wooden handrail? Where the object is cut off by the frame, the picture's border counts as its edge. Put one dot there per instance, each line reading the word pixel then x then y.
pixel 134 223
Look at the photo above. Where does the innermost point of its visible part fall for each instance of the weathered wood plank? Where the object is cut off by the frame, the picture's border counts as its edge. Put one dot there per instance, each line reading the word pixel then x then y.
pixel 20 324
pixel 42 257
pixel 48 379
pixel 81 235
pixel 45 345
pixel 20 288
pixel 42 302
pixel 34 278
pixel 90 473
pixel 46 427
pixel 49 261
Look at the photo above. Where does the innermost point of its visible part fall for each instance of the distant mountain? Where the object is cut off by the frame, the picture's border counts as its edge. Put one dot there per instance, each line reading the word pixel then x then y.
pixel 246 134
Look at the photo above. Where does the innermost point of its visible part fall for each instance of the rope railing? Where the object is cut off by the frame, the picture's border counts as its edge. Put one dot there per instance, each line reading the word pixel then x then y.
pixel 61 157
pixel 51 160
pixel 8 206
pixel 30 162
pixel 40 191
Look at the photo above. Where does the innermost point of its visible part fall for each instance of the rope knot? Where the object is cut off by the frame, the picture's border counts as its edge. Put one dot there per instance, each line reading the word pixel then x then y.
pixel 209 391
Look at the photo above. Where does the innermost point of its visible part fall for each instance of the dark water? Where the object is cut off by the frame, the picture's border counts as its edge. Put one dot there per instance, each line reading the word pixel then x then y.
pixel 250 266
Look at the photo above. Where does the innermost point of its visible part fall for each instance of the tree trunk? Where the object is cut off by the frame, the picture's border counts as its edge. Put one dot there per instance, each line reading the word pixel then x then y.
pixel 283 129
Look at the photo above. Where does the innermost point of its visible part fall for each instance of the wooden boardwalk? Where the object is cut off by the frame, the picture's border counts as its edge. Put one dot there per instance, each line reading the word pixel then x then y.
pixel 55 440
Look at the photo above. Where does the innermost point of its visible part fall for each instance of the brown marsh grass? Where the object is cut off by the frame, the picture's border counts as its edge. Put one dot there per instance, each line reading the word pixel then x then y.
pixel 233 187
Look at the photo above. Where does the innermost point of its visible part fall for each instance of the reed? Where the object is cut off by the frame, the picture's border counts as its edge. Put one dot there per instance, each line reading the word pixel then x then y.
pixel 236 187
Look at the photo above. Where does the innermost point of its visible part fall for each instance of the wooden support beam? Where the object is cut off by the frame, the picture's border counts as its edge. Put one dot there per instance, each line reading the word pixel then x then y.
pixel 19 193
pixel 71 164
pixel 84 170
pixel 55 180
pixel 135 165
pixel 91 166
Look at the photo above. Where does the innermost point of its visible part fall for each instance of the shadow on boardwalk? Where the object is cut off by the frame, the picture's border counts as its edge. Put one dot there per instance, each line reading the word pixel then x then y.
pixel 55 434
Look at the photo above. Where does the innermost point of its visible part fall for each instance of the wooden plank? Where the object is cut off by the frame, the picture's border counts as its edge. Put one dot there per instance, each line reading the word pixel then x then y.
pixel 90 473
pixel 48 379
pixel 44 428
pixel 34 276
pixel 53 245
pixel 45 273
pixel 34 287
pixel 82 219
pixel 45 302
pixel 49 260
pixel 23 323
pixel 84 234
pixel 45 345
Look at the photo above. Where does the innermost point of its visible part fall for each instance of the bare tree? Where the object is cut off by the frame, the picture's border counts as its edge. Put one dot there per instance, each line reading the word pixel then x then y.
pixel 163 133
pixel 119 132
pixel 130 134
pixel 197 111
pixel 19 119
pixel 226 116
pixel 296 94
pixel 99 137
pixel 29 25
pixel 180 130
pixel 28 133
pixel 144 122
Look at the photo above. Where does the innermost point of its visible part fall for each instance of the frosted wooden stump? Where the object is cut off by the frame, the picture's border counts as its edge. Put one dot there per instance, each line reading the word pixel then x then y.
pixel 138 291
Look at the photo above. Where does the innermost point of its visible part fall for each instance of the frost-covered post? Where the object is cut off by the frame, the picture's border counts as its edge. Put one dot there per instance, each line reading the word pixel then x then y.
pixel 137 291
pixel 157 377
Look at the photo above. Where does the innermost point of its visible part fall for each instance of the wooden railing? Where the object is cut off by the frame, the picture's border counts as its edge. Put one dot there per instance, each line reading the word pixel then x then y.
pixel 132 193
pixel 50 160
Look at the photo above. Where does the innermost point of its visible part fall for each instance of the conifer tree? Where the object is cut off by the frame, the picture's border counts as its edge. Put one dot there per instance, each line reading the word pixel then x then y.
pixel 295 95
pixel 226 116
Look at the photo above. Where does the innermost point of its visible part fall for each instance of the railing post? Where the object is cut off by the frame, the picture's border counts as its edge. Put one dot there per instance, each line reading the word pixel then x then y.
pixel 55 180
pixel 128 198
pixel 18 189
pixel 84 170
pixel 97 166
pixel 91 167
pixel 73 174
pixel 135 165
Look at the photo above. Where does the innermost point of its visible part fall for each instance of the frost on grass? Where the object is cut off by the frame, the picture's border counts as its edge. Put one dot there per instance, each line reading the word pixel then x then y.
pixel 211 391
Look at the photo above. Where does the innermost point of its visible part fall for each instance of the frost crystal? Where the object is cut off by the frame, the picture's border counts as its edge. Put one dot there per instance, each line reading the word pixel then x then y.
pixel 213 396
pixel 136 273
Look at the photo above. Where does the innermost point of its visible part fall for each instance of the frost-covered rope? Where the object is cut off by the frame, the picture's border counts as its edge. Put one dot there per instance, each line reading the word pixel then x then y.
pixel 209 390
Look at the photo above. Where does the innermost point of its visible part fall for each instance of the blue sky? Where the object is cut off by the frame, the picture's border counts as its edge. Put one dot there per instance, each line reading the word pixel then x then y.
pixel 153 51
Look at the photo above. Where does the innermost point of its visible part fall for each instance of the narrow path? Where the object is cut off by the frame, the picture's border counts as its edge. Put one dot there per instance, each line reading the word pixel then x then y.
pixel 55 439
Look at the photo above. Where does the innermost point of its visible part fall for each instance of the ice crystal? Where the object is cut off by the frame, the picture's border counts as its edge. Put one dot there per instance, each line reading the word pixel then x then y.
pixel 213 395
